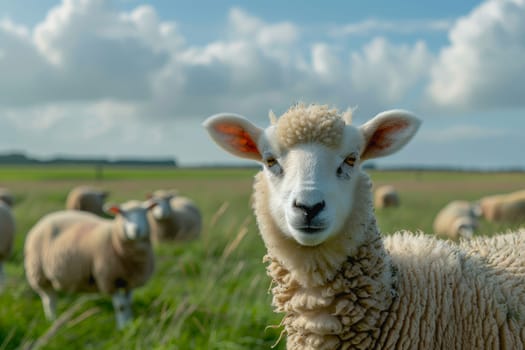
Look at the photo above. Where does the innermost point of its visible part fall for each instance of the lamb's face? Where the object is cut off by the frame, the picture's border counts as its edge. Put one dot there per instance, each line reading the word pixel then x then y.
pixel 132 217
pixel 163 209
pixel 136 225
pixel 311 158
pixel 311 184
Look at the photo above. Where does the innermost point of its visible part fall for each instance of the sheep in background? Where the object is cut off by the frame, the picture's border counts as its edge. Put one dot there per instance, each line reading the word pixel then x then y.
pixel 77 251
pixel 339 283
pixel 385 197
pixel 504 207
pixel 458 219
pixel 7 197
pixel 7 236
pixel 87 198
pixel 175 218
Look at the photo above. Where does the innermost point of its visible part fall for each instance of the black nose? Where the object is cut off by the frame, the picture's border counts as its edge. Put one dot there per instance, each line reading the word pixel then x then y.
pixel 309 211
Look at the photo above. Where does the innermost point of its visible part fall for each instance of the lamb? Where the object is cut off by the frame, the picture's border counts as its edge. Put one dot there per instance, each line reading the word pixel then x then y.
pixel 385 197
pixel 77 251
pixel 175 218
pixel 458 219
pixel 7 235
pixel 339 283
pixel 87 198
pixel 504 207
pixel 6 197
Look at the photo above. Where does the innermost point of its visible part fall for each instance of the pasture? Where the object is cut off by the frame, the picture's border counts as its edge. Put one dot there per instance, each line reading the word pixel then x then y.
pixel 207 294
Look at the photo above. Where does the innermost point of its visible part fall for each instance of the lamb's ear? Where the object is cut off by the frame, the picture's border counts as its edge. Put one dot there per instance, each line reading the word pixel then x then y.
pixel 150 203
pixel 388 132
pixel 235 134
pixel 112 209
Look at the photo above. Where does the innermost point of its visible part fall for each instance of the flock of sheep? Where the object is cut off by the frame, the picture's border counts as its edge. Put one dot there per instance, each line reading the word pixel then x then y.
pixel 340 283
pixel 80 250
pixel 460 218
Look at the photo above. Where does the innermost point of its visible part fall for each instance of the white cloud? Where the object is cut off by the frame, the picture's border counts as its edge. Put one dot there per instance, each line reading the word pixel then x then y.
pixel 373 26
pixel 389 71
pixel 84 51
pixel 24 74
pixel 9 26
pixel 95 79
pixel 326 62
pixel 484 66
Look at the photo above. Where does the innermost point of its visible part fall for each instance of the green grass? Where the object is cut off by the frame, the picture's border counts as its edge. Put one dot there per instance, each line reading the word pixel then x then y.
pixel 207 294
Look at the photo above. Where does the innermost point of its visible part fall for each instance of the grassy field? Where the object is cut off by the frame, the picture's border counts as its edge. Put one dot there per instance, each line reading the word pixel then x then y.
pixel 208 294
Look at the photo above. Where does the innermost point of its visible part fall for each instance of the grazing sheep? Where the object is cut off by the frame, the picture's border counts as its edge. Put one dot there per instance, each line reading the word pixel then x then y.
pixel 385 197
pixel 87 198
pixel 77 251
pixel 175 218
pixel 457 219
pixel 7 235
pixel 504 207
pixel 339 283
pixel 6 197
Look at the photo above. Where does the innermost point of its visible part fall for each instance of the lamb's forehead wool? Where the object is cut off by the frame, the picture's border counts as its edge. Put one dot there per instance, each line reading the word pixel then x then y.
pixel 310 124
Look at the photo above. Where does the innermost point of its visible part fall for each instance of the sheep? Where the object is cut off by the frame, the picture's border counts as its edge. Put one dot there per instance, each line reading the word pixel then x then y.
pixel 77 251
pixel 504 207
pixel 7 235
pixel 175 218
pixel 6 197
pixel 87 198
pixel 338 282
pixel 385 197
pixel 458 219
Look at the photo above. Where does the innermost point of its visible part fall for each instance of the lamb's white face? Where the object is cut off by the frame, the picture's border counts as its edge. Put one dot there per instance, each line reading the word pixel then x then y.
pixel 163 208
pixel 311 185
pixel 133 219
pixel 135 223
pixel 311 165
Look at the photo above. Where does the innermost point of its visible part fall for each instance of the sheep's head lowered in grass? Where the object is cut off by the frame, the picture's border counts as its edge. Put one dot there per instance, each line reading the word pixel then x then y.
pixel 311 157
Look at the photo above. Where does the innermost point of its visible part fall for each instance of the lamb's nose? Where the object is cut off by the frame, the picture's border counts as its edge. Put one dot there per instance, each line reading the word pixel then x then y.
pixel 309 211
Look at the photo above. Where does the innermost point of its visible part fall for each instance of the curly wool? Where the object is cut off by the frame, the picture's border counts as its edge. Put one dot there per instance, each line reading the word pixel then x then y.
pixel 313 123
pixel 345 312
pixel 413 292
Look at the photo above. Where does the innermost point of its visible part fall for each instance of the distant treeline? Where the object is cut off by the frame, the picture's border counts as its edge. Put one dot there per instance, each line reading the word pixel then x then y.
pixel 22 159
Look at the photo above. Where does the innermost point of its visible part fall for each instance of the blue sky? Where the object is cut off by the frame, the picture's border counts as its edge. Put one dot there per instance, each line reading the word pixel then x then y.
pixel 137 78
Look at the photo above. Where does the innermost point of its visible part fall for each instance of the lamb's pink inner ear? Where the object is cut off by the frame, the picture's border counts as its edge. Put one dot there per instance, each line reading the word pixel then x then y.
pixel 114 209
pixel 238 139
pixel 384 138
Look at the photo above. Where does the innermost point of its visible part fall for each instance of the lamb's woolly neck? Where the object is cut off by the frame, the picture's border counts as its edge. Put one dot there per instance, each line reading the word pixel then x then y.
pixel 339 291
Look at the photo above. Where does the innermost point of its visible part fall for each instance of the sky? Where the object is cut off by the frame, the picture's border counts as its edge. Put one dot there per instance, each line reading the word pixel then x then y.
pixel 131 78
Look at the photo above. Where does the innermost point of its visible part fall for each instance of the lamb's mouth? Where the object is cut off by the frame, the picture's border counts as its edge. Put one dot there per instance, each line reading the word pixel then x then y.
pixel 310 229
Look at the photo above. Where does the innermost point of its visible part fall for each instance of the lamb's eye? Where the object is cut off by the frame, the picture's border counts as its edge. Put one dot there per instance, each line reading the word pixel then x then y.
pixel 270 161
pixel 350 160
pixel 273 165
